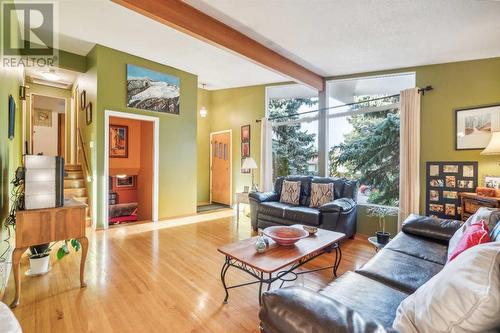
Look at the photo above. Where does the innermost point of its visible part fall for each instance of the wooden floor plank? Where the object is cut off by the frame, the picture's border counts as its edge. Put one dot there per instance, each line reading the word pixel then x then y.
pixel 162 277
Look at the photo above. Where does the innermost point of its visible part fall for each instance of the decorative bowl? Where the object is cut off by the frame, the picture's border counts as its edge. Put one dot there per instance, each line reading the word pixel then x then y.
pixel 285 235
pixel 310 229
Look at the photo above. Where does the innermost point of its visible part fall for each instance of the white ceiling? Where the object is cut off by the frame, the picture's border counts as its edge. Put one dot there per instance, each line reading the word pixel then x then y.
pixel 329 37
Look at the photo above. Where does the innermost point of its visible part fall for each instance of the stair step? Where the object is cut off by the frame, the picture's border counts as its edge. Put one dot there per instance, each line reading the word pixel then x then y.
pixel 75 192
pixel 74 174
pixel 85 200
pixel 74 183
pixel 72 167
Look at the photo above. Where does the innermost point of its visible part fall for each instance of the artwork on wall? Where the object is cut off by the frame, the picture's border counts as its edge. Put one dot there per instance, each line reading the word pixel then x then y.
pixel 83 100
pixel 152 91
pixel 245 145
pixel 473 126
pixel 42 118
pixel 125 182
pixel 12 117
pixel 118 141
pixel 88 113
pixel 445 180
pixel 492 182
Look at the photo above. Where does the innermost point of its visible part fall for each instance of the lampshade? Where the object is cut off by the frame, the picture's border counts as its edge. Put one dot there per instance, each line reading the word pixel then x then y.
pixel 249 163
pixel 493 147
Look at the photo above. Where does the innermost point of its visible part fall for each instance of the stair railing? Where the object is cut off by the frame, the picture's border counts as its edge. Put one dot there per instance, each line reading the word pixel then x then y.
pixel 87 172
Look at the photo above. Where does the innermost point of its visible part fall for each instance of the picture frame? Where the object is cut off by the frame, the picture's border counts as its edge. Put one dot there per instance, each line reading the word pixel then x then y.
pixel 491 182
pixel 88 113
pixel 245 133
pixel 118 141
pixel 83 100
pixel 245 145
pixel 42 118
pixel 125 182
pixel 12 117
pixel 474 125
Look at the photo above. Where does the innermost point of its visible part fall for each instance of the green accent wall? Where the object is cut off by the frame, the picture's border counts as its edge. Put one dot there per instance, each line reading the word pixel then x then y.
pixel 178 152
pixel 203 143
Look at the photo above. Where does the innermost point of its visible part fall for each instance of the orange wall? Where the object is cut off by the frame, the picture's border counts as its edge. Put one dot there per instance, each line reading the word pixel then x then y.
pixel 133 161
pixel 125 195
pixel 145 177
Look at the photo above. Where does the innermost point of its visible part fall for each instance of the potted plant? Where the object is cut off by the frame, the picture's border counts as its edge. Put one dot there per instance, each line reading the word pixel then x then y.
pixel 39 257
pixel 381 212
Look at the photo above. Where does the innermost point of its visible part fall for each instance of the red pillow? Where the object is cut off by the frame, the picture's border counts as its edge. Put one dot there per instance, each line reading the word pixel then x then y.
pixel 477 233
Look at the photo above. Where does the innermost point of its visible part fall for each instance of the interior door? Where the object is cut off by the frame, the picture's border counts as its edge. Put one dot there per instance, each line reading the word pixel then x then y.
pixel 221 156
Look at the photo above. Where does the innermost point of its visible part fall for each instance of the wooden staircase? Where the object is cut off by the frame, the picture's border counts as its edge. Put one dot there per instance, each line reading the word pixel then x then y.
pixel 75 186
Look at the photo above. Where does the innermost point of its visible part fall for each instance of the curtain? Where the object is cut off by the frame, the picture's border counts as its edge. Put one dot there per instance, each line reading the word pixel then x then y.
pixel 409 155
pixel 266 156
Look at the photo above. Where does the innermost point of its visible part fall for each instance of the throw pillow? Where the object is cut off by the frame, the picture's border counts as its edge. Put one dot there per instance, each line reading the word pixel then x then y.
pixel 290 192
pixel 477 233
pixel 321 194
pixel 463 297
pixel 491 215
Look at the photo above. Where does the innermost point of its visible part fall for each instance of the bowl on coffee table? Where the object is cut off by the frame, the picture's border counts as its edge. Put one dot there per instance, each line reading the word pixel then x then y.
pixel 284 235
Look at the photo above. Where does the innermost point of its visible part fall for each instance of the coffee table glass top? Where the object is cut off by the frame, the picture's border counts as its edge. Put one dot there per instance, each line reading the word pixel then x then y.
pixel 276 257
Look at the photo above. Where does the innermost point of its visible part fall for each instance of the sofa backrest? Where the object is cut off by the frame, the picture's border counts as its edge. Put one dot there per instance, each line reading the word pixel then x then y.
pixel 342 188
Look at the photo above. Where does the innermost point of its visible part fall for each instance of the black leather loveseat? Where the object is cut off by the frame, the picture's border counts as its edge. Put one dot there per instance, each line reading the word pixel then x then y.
pixel 366 300
pixel 339 215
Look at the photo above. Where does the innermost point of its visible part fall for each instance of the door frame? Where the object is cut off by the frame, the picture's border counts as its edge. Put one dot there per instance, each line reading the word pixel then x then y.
pixel 156 159
pixel 230 150
pixel 30 130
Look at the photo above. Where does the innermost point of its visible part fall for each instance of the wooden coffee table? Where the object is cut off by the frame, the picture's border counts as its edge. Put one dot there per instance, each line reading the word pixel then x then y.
pixel 278 262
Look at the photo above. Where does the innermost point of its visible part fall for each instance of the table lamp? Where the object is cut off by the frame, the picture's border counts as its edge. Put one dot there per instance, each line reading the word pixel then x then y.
pixel 249 163
pixel 493 147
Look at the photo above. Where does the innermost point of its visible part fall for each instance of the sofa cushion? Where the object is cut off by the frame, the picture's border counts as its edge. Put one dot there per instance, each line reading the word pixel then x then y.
pixel 399 270
pixel 495 233
pixel 477 233
pixel 321 194
pixel 463 297
pixel 419 247
pixel 273 208
pixel 302 215
pixel 430 227
pixel 350 189
pixel 290 192
pixel 374 300
pixel 338 184
pixel 305 188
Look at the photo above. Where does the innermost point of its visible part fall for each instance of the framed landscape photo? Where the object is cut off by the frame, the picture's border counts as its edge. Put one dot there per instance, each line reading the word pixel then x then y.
pixel 474 125
pixel 125 182
pixel 118 141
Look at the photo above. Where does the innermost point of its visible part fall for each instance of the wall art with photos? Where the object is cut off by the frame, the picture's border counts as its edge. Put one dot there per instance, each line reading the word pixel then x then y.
pixel 245 145
pixel 473 126
pixel 492 182
pixel 444 182
pixel 118 141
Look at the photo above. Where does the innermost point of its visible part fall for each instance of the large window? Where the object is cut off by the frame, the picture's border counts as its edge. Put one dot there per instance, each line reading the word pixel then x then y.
pixel 364 136
pixel 295 134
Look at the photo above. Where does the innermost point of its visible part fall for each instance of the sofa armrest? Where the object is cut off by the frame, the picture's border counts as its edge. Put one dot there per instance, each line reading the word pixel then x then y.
pixel 430 227
pixel 300 310
pixel 339 205
pixel 263 196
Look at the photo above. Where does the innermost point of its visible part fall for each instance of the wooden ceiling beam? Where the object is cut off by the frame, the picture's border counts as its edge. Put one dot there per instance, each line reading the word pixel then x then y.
pixel 183 17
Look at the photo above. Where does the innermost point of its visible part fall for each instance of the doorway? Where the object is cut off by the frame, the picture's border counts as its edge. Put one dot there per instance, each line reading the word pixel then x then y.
pixel 48 125
pixel 130 168
pixel 221 167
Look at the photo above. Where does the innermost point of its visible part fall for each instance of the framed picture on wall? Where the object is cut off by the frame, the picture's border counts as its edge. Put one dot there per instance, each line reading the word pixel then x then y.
pixel 88 113
pixel 245 145
pixel 125 182
pixel 42 118
pixel 118 141
pixel 474 125
pixel 245 133
pixel 492 182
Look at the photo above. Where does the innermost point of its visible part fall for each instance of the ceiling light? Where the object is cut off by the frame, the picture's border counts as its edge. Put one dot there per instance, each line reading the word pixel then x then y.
pixel 51 75
pixel 203 112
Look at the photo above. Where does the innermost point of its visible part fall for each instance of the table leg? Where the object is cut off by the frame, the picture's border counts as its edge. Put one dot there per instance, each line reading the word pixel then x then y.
pixel 84 242
pixel 16 261
pixel 260 287
pixel 223 278
pixel 338 257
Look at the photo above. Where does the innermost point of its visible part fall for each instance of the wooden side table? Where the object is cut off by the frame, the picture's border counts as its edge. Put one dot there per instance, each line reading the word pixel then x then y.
pixel 378 246
pixel 241 197
pixel 41 226
pixel 471 202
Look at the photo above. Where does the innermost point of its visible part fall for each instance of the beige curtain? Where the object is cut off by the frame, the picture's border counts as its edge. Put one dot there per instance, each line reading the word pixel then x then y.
pixel 409 163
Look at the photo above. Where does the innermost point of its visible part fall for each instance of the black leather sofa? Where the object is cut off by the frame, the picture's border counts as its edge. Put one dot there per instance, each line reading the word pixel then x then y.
pixel 366 300
pixel 338 215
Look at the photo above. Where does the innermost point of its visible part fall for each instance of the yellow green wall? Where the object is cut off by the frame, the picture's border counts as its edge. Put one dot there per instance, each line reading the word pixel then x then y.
pixel 203 143
pixel 177 156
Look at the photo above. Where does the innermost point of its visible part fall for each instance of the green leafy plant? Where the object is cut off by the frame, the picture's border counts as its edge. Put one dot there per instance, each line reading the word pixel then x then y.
pixel 64 249
pixel 381 212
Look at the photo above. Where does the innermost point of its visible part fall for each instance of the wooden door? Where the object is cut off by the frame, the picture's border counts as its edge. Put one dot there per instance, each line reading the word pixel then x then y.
pixel 221 157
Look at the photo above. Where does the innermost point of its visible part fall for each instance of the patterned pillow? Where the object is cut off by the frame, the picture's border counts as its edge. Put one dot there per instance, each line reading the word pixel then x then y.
pixel 321 194
pixel 290 192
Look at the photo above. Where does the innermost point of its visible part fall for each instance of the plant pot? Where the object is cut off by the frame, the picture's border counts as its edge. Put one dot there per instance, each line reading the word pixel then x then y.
pixel 39 265
pixel 383 237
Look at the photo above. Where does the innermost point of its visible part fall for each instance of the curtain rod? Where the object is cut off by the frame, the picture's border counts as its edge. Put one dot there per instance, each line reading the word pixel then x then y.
pixel 422 91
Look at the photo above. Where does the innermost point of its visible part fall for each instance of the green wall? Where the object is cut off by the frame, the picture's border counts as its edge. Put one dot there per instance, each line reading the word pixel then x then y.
pixel 203 143
pixel 178 166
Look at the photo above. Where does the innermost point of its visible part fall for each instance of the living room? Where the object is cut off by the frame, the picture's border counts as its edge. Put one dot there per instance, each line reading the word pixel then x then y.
pixel 266 129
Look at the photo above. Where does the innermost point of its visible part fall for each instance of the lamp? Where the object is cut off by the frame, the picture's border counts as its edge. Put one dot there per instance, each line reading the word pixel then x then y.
pixel 493 147
pixel 203 112
pixel 249 163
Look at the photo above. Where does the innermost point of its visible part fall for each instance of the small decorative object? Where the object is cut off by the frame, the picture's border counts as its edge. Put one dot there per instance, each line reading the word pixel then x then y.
pixel 125 181
pixel 284 235
pixel 310 229
pixel 152 91
pixel 83 100
pixel 475 125
pixel 88 113
pixel 260 244
pixel 118 141
pixel 42 118
pixel 445 180
pixel 249 163
pixel 381 212
pixel 12 116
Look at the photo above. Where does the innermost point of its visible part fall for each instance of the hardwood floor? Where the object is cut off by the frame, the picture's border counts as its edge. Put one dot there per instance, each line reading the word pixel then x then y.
pixel 162 277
